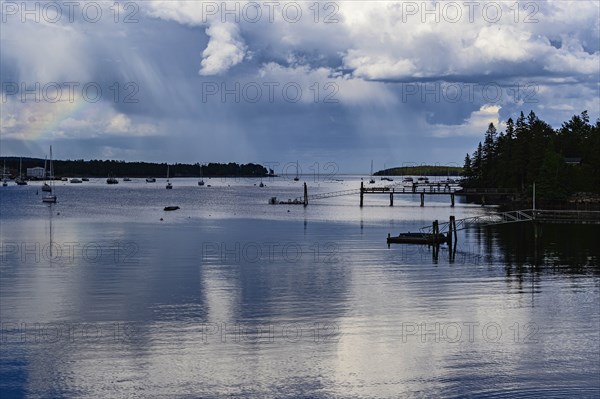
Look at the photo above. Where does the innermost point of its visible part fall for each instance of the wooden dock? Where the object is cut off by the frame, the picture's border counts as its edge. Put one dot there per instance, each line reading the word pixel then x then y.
pixel 423 189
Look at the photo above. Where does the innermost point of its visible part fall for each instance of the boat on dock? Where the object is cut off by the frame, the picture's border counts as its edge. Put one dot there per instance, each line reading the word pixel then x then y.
pixel 417 238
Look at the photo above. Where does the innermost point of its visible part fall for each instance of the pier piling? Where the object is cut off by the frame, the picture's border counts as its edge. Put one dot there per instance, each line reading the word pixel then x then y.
pixel 362 190
pixel 422 199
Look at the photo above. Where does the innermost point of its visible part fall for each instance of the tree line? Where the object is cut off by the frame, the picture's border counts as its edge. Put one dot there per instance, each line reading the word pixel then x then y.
pixel 560 161
pixel 104 168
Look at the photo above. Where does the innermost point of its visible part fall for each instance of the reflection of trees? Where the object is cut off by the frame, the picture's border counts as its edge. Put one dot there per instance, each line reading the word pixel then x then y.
pixel 559 248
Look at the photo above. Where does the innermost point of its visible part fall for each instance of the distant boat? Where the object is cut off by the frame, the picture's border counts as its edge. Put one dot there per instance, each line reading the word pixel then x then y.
pixel 19 180
pixel 85 179
pixel 111 180
pixel 297 171
pixel 169 185
pixel 51 197
pixel 76 180
pixel 201 181
pixel 171 208
pixel 126 179
pixel 372 181
pixel 150 180
pixel 261 184
pixel 64 179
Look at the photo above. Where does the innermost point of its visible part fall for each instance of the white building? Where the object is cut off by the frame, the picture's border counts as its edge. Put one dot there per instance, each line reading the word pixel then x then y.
pixel 36 172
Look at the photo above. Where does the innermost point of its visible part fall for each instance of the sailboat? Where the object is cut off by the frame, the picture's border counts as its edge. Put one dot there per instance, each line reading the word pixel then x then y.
pixel 372 181
pixel 19 180
pixel 45 186
pixel 201 181
pixel 51 197
pixel 4 179
pixel 111 180
pixel 297 171
pixel 385 177
pixel 169 185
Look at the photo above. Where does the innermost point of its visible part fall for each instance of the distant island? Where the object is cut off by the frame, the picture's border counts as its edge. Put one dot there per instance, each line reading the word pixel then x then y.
pixel 98 168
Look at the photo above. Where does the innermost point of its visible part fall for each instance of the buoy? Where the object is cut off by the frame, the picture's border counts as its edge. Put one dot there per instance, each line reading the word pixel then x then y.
pixel 161 219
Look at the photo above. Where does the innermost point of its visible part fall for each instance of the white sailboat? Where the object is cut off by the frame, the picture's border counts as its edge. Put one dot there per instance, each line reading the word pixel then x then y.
pixel 169 185
pixel 51 197
pixel 372 181
pixel 45 186
pixel 201 181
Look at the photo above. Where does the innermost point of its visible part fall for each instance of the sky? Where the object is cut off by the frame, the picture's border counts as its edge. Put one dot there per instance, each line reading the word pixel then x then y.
pixel 330 84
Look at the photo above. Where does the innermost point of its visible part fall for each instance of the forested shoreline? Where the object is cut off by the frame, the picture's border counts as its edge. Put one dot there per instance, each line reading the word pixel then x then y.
pixel 561 162
pixel 100 168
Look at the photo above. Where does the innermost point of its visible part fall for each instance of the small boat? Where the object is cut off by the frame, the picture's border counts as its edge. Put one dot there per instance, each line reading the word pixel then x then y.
pixel 171 208
pixel 417 238
pixel 372 181
pixel 297 171
pixel 387 179
pixel 150 180
pixel 64 179
pixel 126 179
pixel 112 180
pixel 423 179
pixel 407 180
pixel 169 185
pixel 51 197
pixel 261 184
pixel 85 179
pixel 76 180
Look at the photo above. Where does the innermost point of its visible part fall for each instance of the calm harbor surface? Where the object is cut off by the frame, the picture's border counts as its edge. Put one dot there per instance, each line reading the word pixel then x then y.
pixel 230 297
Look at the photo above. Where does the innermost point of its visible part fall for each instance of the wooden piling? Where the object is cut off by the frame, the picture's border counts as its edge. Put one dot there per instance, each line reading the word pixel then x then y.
pixel 452 200
pixel 453 223
pixel 305 195
pixel 391 199
pixel 422 199
pixel 362 189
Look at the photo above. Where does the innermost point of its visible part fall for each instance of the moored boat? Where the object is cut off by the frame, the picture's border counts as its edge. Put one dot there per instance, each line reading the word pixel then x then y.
pixel 417 238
